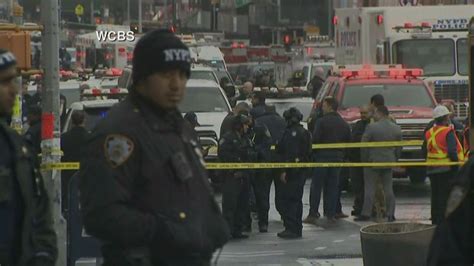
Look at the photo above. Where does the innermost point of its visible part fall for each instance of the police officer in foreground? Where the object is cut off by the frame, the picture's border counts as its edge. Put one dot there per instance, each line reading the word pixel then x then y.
pixel 441 145
pixel 234 147
pixel 295 146
pixel 453 240
pixel 27 235
pixel 144 189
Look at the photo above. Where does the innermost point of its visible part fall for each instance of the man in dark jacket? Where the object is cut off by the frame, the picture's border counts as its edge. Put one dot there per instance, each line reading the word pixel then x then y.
pixel 144 190
pixel 27 235
pixel 267 116
pixel 234 147
pixel 226 123
pixel 294 147
pixel 33 134
pixel 357 173
pixel 331 128
pixel 72 145
pixel 261 139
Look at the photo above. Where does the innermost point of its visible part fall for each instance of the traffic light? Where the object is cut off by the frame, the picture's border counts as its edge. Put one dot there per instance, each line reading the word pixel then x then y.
pixel 97 17
pixel 287 42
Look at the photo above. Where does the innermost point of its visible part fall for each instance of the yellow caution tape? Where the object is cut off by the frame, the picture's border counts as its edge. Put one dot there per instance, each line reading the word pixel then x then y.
pixel 17 107
pixel 54 151
pixel 60 166
pixel 228 166
pixel 376 144
pixel 369 144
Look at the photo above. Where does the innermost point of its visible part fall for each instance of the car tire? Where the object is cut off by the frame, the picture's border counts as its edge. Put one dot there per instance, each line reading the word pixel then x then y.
pixel 417 175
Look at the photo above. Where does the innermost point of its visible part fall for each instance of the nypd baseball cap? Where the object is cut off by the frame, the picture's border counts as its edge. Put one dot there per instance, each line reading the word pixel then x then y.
pixel 159 51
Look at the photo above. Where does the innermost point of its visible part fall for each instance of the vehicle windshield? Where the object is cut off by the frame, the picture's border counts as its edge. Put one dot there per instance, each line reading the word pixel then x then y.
pixel 203 74
pixel 435 57
pixel 462 57
pixel 108 83
pixel 203 99
pixel 223 74
pixel 394 94
pixel 212 63
pixel 304 107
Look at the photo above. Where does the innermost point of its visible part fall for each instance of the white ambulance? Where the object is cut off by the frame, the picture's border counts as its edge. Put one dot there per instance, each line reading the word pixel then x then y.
pixel 433 38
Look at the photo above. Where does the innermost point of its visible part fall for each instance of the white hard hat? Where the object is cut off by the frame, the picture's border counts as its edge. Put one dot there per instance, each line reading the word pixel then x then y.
pixel 440 111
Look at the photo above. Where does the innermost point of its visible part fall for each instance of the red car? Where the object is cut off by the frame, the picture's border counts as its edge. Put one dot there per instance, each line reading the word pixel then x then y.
pixel 409 100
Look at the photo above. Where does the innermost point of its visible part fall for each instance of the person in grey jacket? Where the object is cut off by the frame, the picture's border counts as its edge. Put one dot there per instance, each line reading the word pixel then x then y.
pixel 382 130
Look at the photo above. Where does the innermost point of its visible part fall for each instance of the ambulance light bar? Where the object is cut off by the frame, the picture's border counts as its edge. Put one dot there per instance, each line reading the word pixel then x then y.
pixel 367 71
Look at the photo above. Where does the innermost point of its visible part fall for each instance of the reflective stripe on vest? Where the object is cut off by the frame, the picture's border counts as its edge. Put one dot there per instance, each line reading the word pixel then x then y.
pixel 437 146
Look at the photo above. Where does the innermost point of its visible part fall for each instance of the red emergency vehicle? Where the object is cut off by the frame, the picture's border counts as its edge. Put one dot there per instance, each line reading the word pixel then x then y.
pixel 408 98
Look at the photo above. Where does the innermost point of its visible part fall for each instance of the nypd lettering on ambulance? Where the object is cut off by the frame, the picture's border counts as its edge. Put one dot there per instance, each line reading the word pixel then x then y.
pixel 451 24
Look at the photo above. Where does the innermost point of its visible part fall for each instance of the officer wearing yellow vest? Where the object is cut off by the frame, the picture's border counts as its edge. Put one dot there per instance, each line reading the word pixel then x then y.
pixel 442 145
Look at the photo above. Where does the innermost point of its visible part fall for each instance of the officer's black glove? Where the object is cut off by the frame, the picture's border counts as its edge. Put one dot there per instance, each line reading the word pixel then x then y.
pixel 180 233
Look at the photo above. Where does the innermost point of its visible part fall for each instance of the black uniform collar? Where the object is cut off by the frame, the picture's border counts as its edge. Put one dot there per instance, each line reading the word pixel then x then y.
pixel 3 121
pixel 159 119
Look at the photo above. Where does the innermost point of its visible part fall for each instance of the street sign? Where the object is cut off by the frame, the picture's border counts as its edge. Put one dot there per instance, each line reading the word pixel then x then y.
pixel 241 3
pixel 79 10
pixel 408 2
pixel 312 29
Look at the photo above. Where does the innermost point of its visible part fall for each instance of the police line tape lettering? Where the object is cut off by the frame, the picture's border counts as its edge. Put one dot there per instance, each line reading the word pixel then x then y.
pixel 229 166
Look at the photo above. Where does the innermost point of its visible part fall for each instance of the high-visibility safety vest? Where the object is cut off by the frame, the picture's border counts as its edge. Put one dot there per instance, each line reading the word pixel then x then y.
pixel 466 143
pixel 437 145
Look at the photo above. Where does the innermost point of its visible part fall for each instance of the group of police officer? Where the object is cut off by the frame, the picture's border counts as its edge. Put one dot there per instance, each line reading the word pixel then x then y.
pixel 144 190
pixel 249 139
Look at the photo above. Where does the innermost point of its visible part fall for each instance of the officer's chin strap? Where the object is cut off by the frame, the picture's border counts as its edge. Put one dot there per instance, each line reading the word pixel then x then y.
pixel 217 257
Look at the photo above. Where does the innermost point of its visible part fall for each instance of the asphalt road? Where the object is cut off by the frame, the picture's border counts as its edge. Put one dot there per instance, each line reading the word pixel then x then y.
pixel 321 245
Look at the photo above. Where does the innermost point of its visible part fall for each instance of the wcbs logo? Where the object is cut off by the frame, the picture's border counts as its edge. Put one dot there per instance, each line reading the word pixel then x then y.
pixel 115 36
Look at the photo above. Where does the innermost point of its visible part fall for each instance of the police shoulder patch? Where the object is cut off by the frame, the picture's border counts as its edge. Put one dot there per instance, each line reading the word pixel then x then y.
pixel 117 149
